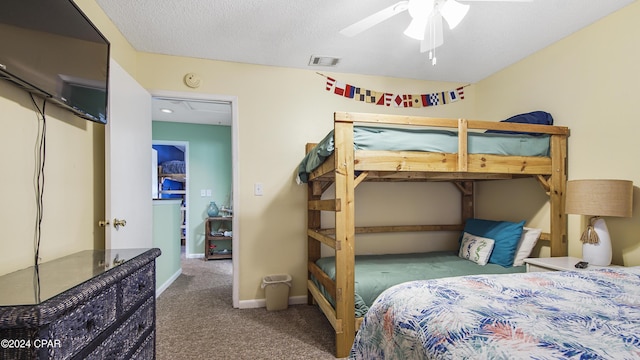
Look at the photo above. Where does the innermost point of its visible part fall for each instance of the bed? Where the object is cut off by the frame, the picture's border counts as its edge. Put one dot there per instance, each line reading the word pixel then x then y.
pixel 376 273
pixel 171 179
pixel 346 163
pixel 593 314
pixel 173 170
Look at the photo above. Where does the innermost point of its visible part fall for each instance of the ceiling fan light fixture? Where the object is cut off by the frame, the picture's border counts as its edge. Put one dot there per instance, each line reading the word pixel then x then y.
pixel 454 12
pixel 416 28
pixel 420 11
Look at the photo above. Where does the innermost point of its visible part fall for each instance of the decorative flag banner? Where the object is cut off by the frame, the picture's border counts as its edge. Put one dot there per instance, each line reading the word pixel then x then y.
pixel 396 100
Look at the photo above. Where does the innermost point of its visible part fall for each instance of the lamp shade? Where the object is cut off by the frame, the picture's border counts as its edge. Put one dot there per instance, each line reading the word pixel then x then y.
pixel 599 197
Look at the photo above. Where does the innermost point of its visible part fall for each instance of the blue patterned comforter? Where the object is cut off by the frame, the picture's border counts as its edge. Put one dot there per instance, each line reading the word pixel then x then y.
pixel 592 314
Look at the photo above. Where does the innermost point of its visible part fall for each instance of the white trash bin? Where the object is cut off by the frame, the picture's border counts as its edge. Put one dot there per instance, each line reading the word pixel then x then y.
pixel 276 289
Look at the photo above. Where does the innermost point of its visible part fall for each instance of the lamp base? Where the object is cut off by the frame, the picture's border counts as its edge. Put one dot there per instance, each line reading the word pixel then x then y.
pixel 598 254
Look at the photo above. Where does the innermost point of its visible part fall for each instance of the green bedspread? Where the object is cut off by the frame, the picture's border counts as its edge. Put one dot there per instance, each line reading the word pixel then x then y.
pixel 376 273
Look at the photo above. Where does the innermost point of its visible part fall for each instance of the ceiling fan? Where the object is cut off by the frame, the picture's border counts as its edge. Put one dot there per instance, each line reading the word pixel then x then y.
pixel 426 23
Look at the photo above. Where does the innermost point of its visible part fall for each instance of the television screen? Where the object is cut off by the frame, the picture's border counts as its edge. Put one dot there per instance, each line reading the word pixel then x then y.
pixel 51 48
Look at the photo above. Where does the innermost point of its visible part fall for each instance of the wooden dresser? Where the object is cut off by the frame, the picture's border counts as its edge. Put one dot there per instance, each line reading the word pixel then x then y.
pixel 88 305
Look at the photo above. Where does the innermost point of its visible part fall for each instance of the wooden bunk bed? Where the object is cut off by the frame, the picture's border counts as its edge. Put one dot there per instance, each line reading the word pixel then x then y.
pixel 174 170
pixel 347 168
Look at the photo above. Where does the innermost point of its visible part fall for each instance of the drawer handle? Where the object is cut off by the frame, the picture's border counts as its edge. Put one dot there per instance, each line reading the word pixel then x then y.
pixel 90 325
pixel 141 327
pixel 141 286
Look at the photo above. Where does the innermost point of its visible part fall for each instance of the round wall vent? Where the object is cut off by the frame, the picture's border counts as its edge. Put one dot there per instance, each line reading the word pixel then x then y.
pixel 192 80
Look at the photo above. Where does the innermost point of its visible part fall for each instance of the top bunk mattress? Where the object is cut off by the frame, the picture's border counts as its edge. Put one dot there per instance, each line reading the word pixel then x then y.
pixel 429 140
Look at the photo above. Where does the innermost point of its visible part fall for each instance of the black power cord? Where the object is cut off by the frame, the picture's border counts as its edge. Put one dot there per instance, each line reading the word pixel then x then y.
pixel 40 153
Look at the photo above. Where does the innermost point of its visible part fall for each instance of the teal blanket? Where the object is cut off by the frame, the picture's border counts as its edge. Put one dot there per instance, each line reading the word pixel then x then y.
pixel 376 273
pixel 411 139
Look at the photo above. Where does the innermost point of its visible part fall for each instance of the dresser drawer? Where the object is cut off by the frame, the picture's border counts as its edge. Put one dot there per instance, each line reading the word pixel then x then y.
pixel 146 351
pixel 121 342
pixel 82 324
pixel 137 286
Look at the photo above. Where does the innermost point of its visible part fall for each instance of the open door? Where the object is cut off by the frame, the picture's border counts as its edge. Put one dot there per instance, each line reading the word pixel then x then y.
pixel 128 212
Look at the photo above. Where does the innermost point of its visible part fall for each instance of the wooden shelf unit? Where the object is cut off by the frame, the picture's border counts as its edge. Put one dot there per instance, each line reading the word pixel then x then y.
pixel 209 239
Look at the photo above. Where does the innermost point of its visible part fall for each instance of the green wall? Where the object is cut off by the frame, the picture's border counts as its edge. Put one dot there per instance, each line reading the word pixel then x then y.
pixel 209 165
pixel 166 237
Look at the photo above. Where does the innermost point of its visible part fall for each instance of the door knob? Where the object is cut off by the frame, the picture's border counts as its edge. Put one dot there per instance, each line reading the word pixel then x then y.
pixel 103 223
pixel 117 223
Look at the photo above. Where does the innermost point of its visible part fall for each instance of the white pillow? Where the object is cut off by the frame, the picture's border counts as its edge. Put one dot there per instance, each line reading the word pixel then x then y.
pixel 475 248
pixel 527 241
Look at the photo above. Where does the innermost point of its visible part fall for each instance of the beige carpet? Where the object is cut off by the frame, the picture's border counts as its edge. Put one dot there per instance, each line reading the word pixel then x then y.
pixel 196 320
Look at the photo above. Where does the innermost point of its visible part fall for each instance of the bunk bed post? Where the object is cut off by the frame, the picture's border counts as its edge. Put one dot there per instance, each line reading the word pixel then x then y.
pixel 345 234
pixel 467 206
pixel 313 222
pixel 557 185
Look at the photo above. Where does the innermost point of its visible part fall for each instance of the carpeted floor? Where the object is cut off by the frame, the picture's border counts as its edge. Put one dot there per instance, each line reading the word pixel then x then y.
pixel 196 320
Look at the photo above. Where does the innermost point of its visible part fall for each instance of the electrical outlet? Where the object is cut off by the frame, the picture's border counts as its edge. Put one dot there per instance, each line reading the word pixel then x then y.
pixel 203 192
pixel 209 192
pixel 257 189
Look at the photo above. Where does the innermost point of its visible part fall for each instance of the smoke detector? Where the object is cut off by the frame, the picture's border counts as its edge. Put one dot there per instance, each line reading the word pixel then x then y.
pixel 192 80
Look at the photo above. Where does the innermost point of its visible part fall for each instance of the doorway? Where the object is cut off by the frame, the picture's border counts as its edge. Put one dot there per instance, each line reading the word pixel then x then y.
pixel 202 105
pixel 171 175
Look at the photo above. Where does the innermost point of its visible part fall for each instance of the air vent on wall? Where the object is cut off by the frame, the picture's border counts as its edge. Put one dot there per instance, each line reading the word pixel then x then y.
pixel 323 61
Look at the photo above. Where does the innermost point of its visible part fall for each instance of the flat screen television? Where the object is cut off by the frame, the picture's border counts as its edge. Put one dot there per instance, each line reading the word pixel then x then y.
pixel 49 47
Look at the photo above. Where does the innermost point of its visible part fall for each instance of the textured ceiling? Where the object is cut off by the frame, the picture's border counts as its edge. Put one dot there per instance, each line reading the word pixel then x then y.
pixel 493 35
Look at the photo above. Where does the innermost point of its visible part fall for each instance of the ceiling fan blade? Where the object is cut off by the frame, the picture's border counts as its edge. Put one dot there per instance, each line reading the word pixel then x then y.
pixel 375 19
pixel 433 34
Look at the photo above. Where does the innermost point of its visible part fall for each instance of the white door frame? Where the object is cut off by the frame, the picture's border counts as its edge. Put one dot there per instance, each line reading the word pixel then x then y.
pixel 184 144
pixel 235 146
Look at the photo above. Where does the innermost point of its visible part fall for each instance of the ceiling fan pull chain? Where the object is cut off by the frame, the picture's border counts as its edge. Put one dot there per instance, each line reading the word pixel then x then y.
pixel 433 41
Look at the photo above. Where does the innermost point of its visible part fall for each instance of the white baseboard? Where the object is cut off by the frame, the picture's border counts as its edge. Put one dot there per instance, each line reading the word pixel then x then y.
pixel 257 303
pixel 167 283
pixel 194 256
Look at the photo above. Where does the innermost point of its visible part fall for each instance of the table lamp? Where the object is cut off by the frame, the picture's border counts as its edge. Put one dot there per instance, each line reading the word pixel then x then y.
pixel 598 198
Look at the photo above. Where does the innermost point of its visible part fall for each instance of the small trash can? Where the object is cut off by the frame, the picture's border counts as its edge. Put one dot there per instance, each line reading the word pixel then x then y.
pixel 276 289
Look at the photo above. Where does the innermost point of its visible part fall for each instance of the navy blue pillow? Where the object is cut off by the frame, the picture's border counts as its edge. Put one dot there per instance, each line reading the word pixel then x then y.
pixel 506 235
pixel 534 117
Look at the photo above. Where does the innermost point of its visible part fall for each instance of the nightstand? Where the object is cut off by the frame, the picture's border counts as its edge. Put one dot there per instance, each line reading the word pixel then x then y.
pixel 565 263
